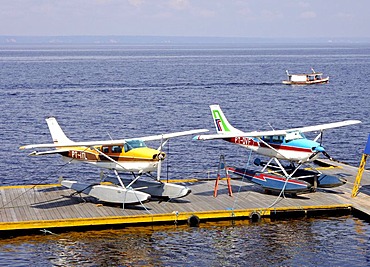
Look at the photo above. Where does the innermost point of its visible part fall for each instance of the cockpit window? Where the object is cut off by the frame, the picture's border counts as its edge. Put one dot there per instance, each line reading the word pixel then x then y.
pixel 273 138
pixel 294 135
pixel 266 138
pixel 131 144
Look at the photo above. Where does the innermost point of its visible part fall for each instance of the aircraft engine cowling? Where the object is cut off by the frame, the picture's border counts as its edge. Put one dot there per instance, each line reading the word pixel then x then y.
pixel 159 156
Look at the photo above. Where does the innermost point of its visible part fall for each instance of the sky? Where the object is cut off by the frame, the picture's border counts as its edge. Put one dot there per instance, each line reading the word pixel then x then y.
pixel 199 18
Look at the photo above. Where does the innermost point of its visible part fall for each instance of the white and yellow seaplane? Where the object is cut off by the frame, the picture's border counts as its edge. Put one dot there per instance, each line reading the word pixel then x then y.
pixel 123 155
pixel 289 145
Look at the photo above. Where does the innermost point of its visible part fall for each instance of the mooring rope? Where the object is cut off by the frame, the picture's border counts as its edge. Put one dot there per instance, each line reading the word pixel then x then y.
pixel 240 186
pixel 281 193
pixel 33 187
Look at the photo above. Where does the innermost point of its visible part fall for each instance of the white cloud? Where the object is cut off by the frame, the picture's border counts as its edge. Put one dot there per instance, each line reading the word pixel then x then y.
pixel 308 15
pixel 206 13
pixel 344 15
pixel 271 14
pixel 136 3
pixel 304 4
pixel 179 4
pixel 245 11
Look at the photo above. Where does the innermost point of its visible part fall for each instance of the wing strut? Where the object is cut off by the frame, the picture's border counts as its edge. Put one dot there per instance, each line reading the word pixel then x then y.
pixel 262 141
pixel 115 171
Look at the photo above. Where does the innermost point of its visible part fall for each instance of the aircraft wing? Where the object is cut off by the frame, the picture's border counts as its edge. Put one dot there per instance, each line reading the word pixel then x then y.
pixel 218 136
pixel 170 135
pixel 326 126
pixel 75 144
pixel 112 142
pixel 314 128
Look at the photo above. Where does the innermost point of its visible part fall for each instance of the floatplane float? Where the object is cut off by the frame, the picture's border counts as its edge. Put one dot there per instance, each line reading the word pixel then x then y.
pixel 306 78
pixel 289 145
pixel 122 155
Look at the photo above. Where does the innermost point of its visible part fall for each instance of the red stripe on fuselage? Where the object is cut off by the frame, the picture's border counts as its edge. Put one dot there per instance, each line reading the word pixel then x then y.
pixel 240 140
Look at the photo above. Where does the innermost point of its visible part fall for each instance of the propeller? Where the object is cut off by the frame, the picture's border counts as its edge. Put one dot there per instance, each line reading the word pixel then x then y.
pixel 320 135
pixel 160 157
pixel 319 148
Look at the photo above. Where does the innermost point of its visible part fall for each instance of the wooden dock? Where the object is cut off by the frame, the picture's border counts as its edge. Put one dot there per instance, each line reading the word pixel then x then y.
pixel 36 208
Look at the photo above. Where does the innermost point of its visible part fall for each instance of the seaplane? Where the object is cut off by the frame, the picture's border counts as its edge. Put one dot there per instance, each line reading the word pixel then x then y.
pixel 122 155
pixel 289 145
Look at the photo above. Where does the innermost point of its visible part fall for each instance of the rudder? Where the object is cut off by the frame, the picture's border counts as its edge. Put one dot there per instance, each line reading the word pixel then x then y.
pixel 57 134
pixel 221 123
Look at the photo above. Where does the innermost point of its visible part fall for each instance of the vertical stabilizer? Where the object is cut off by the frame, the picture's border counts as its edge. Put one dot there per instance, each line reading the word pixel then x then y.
pixel 221 123
pixel 59 138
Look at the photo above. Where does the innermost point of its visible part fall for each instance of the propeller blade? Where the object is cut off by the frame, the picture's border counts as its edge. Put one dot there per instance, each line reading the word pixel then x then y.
pixel 313 155
pixel 319 136
pixel 160 158
pixel 159 169
pixel 163 142
pixel 327 155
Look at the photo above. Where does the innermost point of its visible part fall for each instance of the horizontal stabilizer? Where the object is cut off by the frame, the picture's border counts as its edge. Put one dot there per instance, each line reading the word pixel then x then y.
pixel 50 152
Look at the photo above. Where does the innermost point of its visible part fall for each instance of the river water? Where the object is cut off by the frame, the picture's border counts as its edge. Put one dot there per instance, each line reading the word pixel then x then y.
pixel 124 91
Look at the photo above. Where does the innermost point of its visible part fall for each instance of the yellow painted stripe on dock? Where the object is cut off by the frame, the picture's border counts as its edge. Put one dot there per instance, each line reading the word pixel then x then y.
pixel 325 168
pixel 192 180
pixel 28 186
pixel 167 217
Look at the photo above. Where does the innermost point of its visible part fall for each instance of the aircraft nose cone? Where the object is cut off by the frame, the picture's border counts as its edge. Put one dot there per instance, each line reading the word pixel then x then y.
pixel 318 149
pixel 159 156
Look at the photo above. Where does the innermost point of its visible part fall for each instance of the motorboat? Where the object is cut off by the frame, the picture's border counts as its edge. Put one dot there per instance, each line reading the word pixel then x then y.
pixel 306 78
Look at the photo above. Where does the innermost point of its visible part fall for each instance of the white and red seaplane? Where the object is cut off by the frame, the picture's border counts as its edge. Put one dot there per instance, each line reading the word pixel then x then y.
pixel 289 145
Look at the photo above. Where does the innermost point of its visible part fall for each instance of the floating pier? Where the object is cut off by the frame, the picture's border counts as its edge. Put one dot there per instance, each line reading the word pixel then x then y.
pixel 39 208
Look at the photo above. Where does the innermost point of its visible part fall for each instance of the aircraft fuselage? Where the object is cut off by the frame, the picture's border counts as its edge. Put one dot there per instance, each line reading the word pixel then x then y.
pixel 117 157
pixel 276 146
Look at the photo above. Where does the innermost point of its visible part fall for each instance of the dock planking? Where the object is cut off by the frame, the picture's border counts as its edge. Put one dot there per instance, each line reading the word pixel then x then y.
pixel 37 207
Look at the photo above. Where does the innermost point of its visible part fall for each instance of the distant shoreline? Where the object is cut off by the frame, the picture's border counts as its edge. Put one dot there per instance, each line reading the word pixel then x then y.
pixel 8 39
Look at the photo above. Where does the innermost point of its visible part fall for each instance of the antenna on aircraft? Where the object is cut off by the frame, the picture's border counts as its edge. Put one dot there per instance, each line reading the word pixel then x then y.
pixel 271 126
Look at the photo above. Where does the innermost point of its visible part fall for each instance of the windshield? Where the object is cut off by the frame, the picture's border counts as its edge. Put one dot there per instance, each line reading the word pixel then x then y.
pixel 294 135
pixel 131 144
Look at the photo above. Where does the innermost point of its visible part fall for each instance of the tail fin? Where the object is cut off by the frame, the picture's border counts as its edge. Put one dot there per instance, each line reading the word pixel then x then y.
pixel 221 123
pixel 59 137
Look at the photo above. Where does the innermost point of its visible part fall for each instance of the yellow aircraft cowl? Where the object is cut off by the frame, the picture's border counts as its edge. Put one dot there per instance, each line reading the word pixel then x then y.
pixel 146 153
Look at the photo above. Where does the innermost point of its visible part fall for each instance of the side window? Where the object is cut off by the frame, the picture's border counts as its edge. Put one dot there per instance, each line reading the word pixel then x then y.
pixel 116 149
pixel 105 149
pixel 277 139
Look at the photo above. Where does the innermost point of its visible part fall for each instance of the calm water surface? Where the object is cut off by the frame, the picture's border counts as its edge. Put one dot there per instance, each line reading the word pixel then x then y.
pixel 342 241
pixel 123 91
